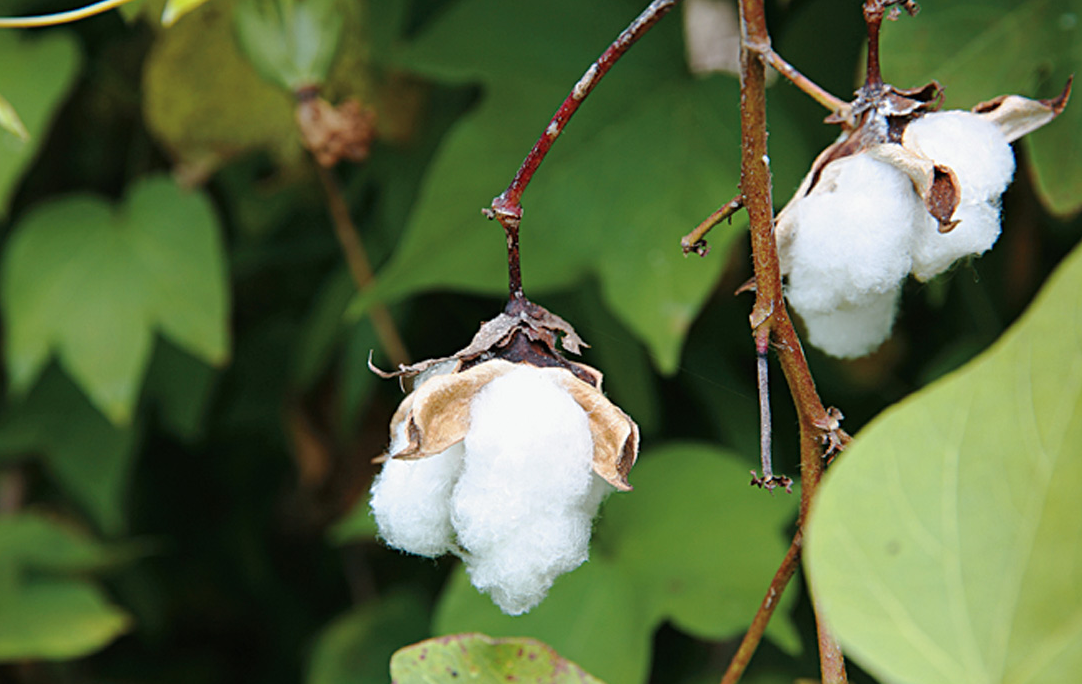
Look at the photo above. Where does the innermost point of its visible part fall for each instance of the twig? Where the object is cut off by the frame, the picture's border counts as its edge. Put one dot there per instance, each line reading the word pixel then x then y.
pixel 507 207
pixel 769 480
pixel 831 660
pixel 769 316
pixel 835 104
pixel 357 260
pixel 754 634
pixel 61 17
pixel 695 241
pixel 873 17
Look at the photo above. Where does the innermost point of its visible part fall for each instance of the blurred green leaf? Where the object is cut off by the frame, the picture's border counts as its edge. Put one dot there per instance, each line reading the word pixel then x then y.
pixel 944 547
pixel 290 42
pixel 44 614
pixel 485 660
pixel 92 285
pixel 650 154
pixel 693 544
pixel 979 49
pixel 89 457
pixel 37 75
pixel 175 9
pixel 357 647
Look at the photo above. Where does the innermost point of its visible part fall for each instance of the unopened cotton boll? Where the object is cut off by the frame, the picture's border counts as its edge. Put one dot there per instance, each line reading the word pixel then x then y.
pixel 853 329
pixel 971 146
pixel 524 504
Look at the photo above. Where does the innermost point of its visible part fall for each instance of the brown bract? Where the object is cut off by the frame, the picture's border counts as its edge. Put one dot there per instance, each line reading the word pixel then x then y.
pixel 335 133
pixel 436 414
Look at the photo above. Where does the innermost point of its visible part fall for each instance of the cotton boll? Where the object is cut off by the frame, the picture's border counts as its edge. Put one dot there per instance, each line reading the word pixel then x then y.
pixel 972 147
pixel 411 499
pixel 976 232
pixel 525 501
pixel 854 328
pixel 852 235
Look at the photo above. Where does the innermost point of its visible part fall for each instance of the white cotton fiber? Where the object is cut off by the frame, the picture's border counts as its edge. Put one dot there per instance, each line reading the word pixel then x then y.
pixel 852 236
pixel 525 500
pixel 973 147
pixel 853 328
pixel 976 232
pixel 411 499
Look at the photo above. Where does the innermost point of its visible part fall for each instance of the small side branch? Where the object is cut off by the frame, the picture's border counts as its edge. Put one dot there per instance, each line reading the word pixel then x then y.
pixel 695 241
pixel 836 105
pixel 769 480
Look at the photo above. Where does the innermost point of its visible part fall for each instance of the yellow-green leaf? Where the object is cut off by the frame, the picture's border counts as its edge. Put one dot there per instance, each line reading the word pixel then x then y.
pixel 10 121
pixel 175 9
pixel 944 547
pixel 484 660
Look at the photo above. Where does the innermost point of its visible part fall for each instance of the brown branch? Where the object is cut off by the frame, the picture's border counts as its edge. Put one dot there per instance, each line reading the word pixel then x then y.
pixel 695 241
pixel 359 267
pixel 754 634
pixel 769 316
pixel 507 207
pixel 836 105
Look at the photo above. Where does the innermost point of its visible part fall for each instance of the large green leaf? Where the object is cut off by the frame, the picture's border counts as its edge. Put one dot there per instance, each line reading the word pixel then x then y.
pixel 88 457
pixel 37 74
pixel 44 612
pixel 650 154
pixel 93 284
pixel 979 49
pixel 693 544
pixel 484 660
pixel 945 546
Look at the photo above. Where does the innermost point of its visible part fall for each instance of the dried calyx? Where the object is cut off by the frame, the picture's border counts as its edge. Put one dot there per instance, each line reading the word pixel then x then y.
pixel 906 189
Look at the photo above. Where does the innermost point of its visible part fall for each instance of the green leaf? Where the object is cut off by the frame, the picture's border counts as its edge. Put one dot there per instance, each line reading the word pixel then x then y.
pixel 651 152
pixel 88 457
pixel 44 614
pixel 181 387
pixel 979 49
pixel 944 546
pixel 92 285
pixel 693 544
pixel 484 660
pixel 357 647
pixel 38 73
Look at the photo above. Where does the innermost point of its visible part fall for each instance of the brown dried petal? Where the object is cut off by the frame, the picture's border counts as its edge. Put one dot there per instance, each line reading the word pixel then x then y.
pixel 437 413
pixel 616 436
pixel 1016 115
pixel 936 184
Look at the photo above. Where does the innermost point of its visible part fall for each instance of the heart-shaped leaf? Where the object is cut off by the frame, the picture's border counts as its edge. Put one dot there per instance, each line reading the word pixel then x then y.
pixel 93 284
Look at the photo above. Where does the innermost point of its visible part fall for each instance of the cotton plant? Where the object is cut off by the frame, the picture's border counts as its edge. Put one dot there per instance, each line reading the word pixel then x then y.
pixel 501 454
pixel 905 190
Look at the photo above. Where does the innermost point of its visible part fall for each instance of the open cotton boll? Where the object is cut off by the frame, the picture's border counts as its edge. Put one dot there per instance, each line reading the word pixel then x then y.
pixel 854 328
pixel 851 235
pixel 524 503
pixel 971 146
pixel 976 232
pixel 411 499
